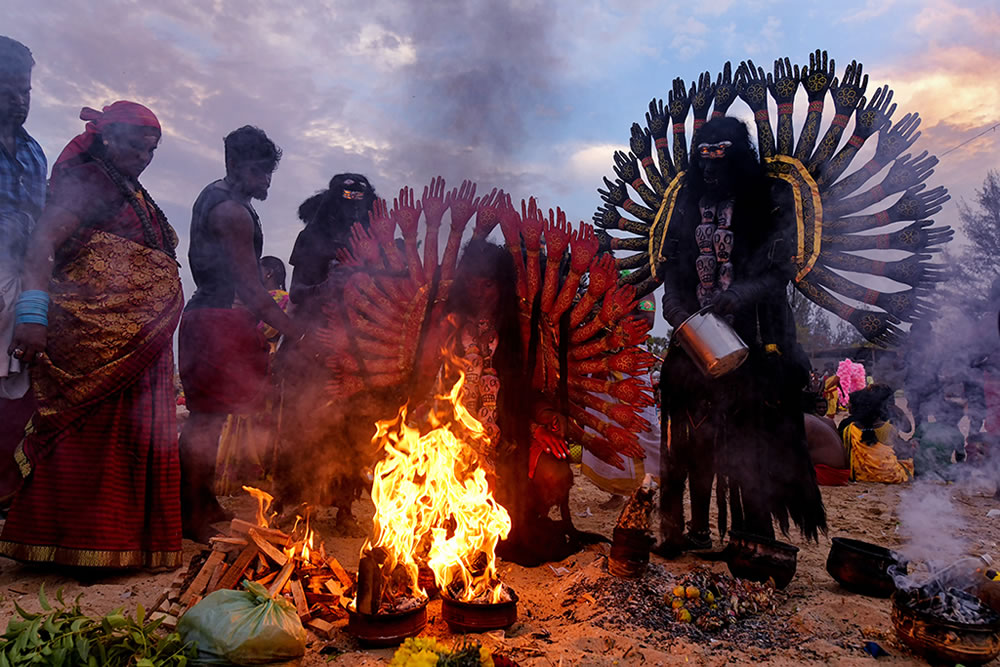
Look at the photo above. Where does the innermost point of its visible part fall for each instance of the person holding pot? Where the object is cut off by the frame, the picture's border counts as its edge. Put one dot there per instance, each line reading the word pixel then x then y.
pixel 728 250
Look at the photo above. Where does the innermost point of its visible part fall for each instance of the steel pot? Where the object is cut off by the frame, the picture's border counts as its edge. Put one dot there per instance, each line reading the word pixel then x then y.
pixel 712 344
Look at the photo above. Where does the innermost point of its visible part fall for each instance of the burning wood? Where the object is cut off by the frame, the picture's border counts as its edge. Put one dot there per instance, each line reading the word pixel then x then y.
pixel 433 507
pixel 288 564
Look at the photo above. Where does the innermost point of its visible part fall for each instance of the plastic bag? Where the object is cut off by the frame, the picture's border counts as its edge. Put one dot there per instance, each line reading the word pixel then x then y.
pixel 244 628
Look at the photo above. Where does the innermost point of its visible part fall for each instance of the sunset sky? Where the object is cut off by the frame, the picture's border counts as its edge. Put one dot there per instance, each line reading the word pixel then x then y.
pixel 530 96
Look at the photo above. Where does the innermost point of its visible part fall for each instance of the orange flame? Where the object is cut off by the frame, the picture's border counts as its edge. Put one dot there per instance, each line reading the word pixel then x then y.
pixel 264 500
pixel 430 489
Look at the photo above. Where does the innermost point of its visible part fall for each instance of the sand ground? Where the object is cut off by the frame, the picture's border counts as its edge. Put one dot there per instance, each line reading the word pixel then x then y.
pixel 569 614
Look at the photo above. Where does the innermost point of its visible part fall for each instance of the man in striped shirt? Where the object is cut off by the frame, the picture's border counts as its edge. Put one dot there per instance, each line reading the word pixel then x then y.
pixel 22 197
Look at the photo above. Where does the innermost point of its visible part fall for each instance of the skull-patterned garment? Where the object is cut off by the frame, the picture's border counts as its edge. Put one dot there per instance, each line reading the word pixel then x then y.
pixel 715 244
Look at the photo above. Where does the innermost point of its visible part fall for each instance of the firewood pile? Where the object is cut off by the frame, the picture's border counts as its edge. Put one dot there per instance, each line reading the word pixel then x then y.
pixel 317 584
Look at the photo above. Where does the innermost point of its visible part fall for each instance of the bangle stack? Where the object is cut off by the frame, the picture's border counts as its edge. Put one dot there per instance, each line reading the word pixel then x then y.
pixel 32 307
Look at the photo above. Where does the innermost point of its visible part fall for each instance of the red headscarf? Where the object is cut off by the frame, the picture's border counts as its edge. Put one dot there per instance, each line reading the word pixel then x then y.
pixel 128 113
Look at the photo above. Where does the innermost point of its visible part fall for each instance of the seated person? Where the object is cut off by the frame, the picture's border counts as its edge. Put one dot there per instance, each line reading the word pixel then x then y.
pixel 874 449
pixel 940 441
pixel 826 451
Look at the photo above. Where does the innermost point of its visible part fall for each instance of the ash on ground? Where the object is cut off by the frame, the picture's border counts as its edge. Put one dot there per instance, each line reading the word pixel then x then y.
pixel 646 603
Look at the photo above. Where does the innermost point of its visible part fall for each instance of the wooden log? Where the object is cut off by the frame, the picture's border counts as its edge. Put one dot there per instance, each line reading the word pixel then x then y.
pixel 335 587
pixel 279 582
pixel 236 570
pixel 266 547
pixel 339 571
pixel 322 598
pixel 272 535
pixel 321 628
pixel 201 579
pixel 230 541
pixel 216 576
pixel 160 600
pixel 268 578
pixel 369 585
pixel 299 597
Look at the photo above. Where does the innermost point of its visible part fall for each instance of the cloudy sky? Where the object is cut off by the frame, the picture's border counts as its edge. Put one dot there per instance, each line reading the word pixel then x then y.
pixel 530 96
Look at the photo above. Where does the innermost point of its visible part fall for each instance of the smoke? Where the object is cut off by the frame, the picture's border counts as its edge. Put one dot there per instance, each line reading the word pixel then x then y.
pixel 482 70
pixel 930 526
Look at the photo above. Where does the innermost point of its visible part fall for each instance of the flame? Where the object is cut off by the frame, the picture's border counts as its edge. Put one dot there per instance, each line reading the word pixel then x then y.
pixel 430 490
pixel 264 500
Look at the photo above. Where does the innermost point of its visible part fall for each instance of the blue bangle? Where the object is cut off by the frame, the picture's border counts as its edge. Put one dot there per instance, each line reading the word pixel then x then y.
pixel 31 318
pixel 34 295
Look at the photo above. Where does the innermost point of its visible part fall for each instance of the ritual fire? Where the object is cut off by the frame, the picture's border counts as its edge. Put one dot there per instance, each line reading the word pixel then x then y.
pixel 433 508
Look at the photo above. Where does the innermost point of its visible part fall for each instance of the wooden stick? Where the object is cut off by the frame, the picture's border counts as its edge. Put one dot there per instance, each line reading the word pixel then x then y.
pixel 201 580
pixel 235 571
pixel 160 600
pixel 340 572
pixel 269 549
pixel 321 628
pixel 334 587
pixel 233 541
pixel 216 576
pixel 279 583
pixel 268 578
pixel 273 535
pixel 299 596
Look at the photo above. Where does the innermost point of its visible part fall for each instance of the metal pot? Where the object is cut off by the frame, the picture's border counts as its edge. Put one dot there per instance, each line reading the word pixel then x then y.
pixel 712 344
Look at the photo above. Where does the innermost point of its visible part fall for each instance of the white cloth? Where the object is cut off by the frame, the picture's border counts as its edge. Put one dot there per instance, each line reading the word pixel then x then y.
pixel 623 482
pixel 14 380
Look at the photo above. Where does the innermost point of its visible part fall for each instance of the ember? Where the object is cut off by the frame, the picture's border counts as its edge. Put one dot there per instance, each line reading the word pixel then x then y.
pixel 952 605
pixel 745 612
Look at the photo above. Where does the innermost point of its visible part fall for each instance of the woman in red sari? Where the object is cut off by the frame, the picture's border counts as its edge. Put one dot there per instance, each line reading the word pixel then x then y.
pixel 100 459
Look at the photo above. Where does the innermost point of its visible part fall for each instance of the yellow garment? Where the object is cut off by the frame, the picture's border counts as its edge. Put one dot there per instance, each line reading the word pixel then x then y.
pixel 878 462
pixel 831 392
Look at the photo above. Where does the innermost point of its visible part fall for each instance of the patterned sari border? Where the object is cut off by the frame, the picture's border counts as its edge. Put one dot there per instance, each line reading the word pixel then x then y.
pixel 34 553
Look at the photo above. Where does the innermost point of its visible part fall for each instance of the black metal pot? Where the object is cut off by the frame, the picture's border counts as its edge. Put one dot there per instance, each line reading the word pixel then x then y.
pixel 863 568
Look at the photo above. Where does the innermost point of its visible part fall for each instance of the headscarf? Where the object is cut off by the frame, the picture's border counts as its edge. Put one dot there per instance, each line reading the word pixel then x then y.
pixel 122 111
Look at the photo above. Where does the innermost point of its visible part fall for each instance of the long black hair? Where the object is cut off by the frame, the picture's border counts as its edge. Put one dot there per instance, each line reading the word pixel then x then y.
pixel 482 259
pixel 323 208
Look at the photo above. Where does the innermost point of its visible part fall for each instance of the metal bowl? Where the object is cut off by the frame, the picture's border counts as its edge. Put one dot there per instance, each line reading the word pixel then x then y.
pixel 939 640
pixel 712 344
pixel 473 617
pixel 760 559
pixel 863 568
pixel 379 630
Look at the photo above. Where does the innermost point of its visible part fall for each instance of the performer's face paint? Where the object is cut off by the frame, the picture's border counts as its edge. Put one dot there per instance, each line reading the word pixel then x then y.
pixel 716 166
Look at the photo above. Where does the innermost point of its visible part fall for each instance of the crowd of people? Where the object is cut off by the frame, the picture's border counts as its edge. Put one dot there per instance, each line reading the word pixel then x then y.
pixel 96 472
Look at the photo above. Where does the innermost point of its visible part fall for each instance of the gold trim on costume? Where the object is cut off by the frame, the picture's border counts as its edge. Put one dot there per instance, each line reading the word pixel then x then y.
pixel 666 207
pixel 33 553
pixel 23 464
pixel 793 172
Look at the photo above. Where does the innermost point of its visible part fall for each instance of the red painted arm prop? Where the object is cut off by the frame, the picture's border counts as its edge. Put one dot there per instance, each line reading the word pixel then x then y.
pixel 584 246
pixel 532 222
pixel 631 361
pixel 602 277
pixel 405 213
pixel 557 233
pixel 462 203
pixel 434 208
pixel 623 414
pixel 510 225
pixel 487 214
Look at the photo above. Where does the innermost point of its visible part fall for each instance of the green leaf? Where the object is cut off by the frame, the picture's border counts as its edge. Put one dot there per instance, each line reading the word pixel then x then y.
pixel 42 600
pixel 116 620
pixel 83 648
pixel 145 662
pixel 59 596
pixel 24 614
pixel 4 662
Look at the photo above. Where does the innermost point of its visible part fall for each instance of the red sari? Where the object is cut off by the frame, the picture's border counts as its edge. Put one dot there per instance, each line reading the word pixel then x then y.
pixel 100 461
